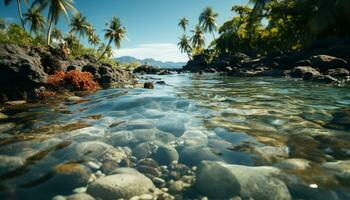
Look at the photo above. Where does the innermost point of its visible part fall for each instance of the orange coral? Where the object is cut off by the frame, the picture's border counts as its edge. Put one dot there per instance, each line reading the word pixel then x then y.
pixel 79 80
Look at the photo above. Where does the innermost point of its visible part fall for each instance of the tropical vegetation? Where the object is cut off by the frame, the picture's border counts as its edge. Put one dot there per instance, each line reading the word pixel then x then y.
pixel 43 31
pixel 268 26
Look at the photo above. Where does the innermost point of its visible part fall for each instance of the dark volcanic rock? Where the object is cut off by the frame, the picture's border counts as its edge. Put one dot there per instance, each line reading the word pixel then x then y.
pixel 148 85
pixel 339 72
pixel 106 75
pixel 148 69
pixel 325 62
pixel 20 73
pixel 304 72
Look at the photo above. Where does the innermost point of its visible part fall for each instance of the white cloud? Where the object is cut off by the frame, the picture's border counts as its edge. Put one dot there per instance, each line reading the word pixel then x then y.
pixel 157 51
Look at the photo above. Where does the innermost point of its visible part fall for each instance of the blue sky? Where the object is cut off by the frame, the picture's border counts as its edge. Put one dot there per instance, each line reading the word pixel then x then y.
pixel 152 29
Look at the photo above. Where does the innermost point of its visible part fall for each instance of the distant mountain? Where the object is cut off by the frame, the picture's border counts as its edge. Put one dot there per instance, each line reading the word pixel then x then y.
pixel 150 61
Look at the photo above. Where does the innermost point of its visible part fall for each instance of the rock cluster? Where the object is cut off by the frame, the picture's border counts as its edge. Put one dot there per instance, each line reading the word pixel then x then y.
pixel 148 69
pixel 321 65
pixel 24 70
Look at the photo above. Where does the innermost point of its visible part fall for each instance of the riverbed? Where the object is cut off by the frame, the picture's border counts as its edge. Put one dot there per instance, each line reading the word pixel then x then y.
pixel 299 128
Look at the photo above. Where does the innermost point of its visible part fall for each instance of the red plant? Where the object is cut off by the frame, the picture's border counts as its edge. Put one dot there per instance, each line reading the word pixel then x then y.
pixel 57 79
pixel 45 94
pixel 79 80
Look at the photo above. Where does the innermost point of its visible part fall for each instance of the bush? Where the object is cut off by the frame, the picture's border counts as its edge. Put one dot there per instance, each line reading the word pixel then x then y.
pixel 83 81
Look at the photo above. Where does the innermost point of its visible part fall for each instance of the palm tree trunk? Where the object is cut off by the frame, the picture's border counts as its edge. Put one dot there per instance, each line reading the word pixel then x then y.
pixel 20 13
pixel 49 32
pixel 104 52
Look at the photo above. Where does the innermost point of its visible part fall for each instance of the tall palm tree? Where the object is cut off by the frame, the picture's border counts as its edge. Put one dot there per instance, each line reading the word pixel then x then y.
pixel 207 20
pixel 115 33
pixel 19 9
pixel 184 45
pixel 36 20
pixel 108 50
pixel 183 23
pixel 198 39
pixel 79 25
pixel 55 8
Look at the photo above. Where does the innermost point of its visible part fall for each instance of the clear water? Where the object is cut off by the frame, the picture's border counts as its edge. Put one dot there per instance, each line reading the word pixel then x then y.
pixel 246 121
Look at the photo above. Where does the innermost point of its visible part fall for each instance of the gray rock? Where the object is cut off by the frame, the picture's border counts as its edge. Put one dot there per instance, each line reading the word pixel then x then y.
pixel 338 72
pixel 81 196
pixel 192 156
pixel 142 150
pixel 293 164
pixel 248 182
pixel 107 75
pixel 9 163
pixel 173 126
pixel 148 85
pixel 165 155
pixel 339 169
pixel 66 177
pixel 216 181
pixel 325 62
pixel 304 72
pixel 124 170
pixel 89 149
pixel 120 186
pixel 176 187
pixel 20 73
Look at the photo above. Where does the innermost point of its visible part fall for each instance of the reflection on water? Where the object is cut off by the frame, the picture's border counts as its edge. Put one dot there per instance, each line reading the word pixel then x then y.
pixel 246 121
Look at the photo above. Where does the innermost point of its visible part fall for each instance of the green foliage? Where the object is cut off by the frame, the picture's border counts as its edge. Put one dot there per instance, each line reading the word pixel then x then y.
pixel 16 35
pixel 115 33
pixel 279 25
pixel 207 20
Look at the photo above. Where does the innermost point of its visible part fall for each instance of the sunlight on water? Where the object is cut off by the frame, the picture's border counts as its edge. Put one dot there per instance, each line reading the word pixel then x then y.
pixel 246 121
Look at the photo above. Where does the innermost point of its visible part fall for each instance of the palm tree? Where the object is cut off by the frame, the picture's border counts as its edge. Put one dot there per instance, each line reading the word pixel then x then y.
pixel 79 25
pixel 55 8
pixel 107 49
pixel 183 23
pixel 56 34
pixel 259 4
pixel 19 9
pixel 93 39
pixel 184 45
pixel 198 40
pixel 36 20
pixel 115 33
pixel 207 20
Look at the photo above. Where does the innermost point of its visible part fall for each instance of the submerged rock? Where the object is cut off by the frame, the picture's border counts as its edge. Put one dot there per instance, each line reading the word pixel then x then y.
pixel 120 186
pixel 192 156
pixel 165 155
pixel 339 169
pixel 216 181
pixel 82 196
pixel 9 163
pixel 221 180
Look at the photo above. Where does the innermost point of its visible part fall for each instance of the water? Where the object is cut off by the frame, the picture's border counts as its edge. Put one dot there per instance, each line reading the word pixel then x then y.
pixel 245 121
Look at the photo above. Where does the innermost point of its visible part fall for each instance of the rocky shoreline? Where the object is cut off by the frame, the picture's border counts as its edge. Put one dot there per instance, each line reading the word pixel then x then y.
pixel 24 71
pixel 328 64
